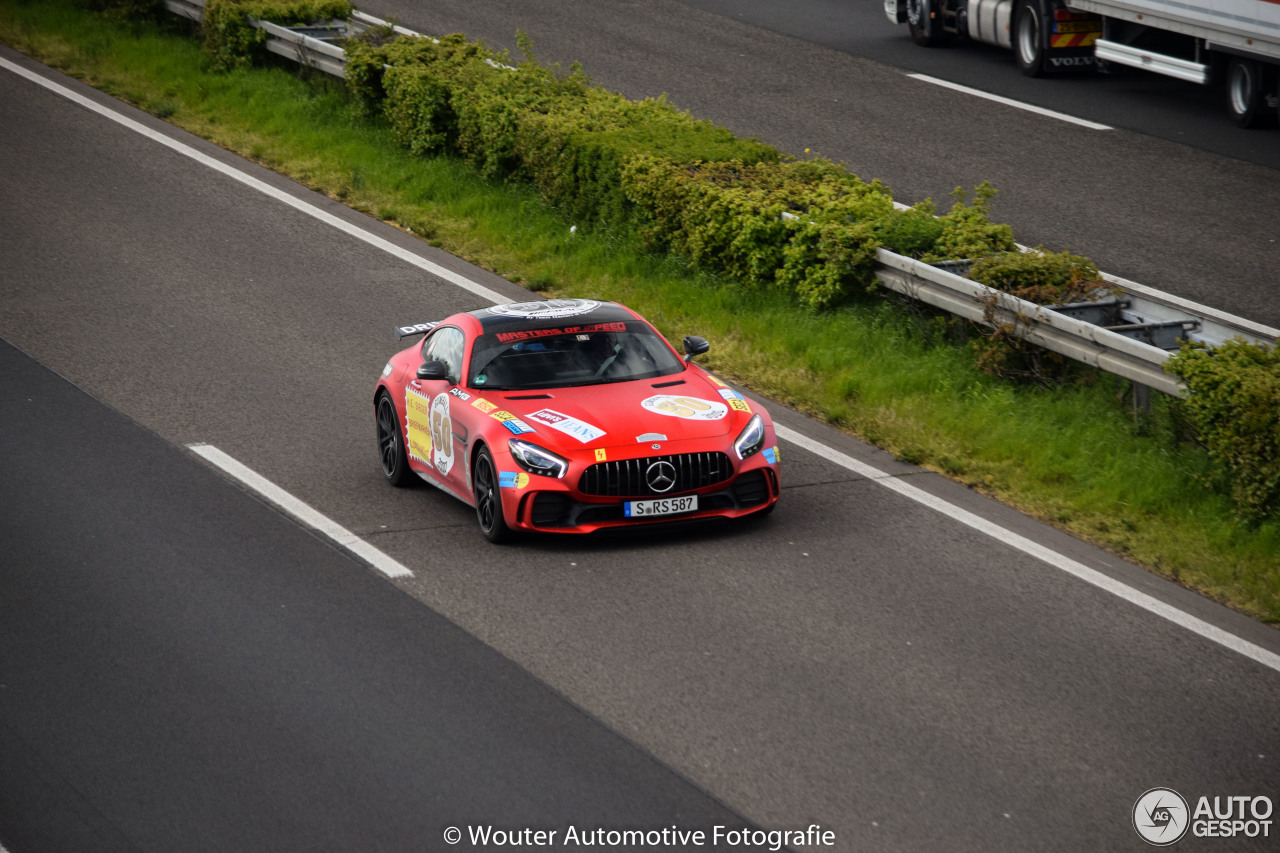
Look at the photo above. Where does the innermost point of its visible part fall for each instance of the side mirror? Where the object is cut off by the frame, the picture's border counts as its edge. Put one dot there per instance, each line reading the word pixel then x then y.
pixel 433 370
pixel 694 345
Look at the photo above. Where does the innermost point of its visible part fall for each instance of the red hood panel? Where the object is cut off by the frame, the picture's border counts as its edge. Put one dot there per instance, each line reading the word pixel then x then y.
pixel 623 414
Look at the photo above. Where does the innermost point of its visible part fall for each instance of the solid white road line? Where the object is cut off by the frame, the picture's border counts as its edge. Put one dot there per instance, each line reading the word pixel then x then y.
pixel 1034 549
pixel 302 512
pixel 393 568
pixel 1009 102
pixel 300 205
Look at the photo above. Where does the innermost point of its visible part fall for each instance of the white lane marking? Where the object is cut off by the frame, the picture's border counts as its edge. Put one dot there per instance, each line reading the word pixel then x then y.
pixel 300 205
pixel 1034 549
pixel 1009 102
pixel 302 512
pixel 395 569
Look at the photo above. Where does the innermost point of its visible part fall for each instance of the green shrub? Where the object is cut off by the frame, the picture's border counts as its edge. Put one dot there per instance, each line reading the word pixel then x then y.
pixel 235 43
pixel 967 230
pixel 576 152
pixel 1233 406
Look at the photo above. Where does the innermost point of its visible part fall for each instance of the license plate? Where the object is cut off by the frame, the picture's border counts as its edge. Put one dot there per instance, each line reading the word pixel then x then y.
pixel 660 506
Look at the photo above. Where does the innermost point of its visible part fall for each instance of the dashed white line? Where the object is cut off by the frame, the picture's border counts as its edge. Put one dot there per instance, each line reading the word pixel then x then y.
pixel 1009 102
pixel 395 569
pixel 303 512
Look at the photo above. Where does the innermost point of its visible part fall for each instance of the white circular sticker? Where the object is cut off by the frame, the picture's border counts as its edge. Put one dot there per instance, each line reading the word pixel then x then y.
pixel 441 434
pixel 1161 817
pixel 689 408
pixel 551 309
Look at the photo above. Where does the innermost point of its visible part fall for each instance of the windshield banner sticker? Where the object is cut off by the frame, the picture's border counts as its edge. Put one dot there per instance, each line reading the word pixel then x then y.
pixel 551 309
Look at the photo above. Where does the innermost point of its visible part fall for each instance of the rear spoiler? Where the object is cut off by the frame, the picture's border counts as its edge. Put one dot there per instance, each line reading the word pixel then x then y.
pixel 403 332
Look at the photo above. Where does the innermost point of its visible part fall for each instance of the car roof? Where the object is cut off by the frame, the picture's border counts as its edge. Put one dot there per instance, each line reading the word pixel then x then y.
pixel 549 314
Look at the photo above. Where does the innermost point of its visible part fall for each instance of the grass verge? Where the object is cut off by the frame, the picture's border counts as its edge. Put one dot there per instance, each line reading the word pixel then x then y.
pixel 1072 456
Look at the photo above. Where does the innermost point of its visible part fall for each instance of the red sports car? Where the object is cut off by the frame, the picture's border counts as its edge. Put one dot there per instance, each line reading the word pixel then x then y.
pixel 570 415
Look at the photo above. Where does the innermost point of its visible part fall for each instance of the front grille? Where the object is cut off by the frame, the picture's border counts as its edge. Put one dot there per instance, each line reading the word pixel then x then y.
pixel 626 477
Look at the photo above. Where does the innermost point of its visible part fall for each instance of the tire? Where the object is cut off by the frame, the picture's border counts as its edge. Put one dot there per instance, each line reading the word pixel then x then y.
pixel 922 20
pixel 1028 38
pixel 484 485
pixel 395 464
pixel 1247 93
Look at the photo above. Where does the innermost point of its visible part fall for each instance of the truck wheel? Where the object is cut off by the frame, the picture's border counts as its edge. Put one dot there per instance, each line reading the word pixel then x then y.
pixel 922 20
pixel 1247 93
pixel 1028 38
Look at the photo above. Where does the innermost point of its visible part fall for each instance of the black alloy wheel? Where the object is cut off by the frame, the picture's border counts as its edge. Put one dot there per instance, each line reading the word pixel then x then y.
pixel 488 500
pixel 395 465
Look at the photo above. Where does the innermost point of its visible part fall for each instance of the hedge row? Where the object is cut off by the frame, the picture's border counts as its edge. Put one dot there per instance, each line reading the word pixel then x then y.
pixel 527 122
pixel 730 205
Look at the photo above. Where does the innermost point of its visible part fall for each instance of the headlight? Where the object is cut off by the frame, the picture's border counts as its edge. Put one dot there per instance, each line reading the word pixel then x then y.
pixel 535 460
pixel 751 439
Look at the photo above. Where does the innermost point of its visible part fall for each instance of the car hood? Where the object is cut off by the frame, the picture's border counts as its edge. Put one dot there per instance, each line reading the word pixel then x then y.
pixel 665 409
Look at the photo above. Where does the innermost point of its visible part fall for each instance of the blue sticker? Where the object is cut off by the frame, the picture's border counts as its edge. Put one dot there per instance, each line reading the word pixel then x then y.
pixel 517 426
pixel 771 455
pixel 512 479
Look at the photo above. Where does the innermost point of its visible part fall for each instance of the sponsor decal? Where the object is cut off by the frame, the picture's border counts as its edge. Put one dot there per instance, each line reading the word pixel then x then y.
pixel 441 434
pixel 517 426
pixel 771 455
pixel 460 394
pixel 688 408
pixel 551 309
pixel 581 430
pixel 418 425
pixel 601 455
pixel 583 332
pixel 736 400
pixel 650 436
pixel 415 329
pixel 484 405
pixel 513 479
pixel 386 371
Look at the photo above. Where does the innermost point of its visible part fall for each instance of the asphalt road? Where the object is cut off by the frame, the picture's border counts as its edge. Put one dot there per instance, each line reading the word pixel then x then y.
pixel 858 660
pixel 183 668
pixel 1175 197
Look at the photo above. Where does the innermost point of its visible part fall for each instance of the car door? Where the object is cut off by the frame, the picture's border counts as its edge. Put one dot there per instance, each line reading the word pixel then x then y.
pixel 435 440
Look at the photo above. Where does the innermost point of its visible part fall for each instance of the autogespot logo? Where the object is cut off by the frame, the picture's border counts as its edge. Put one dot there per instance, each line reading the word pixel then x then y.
pixel 1160 816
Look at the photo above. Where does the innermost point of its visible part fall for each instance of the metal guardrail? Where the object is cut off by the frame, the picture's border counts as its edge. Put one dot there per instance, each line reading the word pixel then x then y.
pixel 1130 337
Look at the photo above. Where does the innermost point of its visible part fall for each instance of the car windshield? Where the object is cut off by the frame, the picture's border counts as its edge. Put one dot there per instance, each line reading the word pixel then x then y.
pixel 558 358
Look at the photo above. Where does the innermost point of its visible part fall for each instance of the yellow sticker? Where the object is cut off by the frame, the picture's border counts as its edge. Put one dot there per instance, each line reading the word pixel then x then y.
pixel 740 405
pixel 601 456
pixel 503 416
pixel 483 405
pixel 418 419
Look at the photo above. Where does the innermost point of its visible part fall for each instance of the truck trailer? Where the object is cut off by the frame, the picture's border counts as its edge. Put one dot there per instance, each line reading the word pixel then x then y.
pixel 1235 42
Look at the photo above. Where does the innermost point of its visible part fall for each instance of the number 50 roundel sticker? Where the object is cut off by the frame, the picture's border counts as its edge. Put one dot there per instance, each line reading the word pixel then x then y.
pixel 689 408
